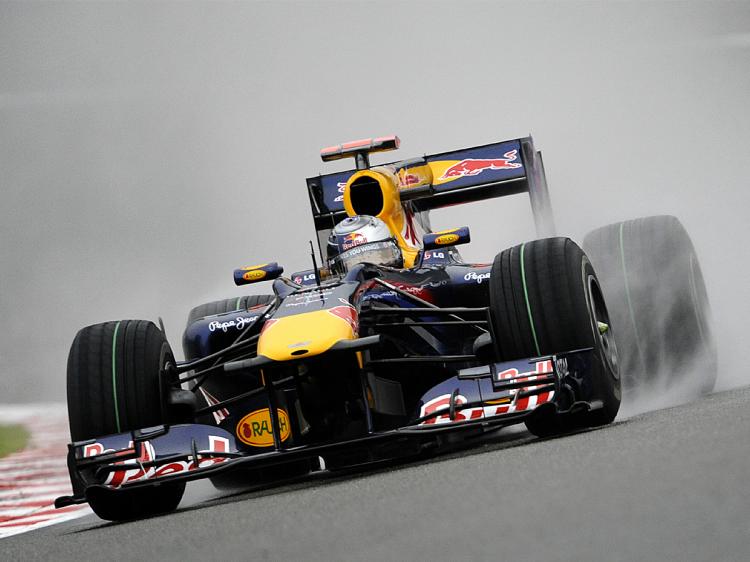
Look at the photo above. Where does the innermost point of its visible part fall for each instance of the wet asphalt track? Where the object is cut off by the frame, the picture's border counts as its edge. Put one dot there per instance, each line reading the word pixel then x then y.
pixel 666 485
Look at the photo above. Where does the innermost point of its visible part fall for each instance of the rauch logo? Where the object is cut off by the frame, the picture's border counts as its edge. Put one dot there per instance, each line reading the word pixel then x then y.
pixel 255 429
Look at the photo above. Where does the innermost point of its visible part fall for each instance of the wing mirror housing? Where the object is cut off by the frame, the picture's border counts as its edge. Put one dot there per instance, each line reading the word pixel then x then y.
pixel 256 273
pixel 452 237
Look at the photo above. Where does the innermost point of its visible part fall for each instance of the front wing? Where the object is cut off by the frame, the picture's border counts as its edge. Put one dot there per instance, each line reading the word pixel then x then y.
pixel 161 454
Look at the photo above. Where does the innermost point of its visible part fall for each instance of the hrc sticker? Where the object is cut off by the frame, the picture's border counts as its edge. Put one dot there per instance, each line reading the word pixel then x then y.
pixel 255 429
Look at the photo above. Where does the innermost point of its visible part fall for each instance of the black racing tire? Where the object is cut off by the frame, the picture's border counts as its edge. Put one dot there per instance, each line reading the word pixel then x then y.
pixel 140 503
pixel 227 305
pixel 657 297
pixel 114 385
pixel 545 299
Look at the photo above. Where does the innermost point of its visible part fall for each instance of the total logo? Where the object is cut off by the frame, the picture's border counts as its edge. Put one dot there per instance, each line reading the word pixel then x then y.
pixel 256 428
pixel 478 277
pixel 475 166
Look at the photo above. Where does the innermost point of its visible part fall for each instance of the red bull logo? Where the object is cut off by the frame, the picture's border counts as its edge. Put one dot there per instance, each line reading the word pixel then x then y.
pixel 348 314
pixel 341 189
pixel 135 470
pixel 353 239
pixel 443 403
pixel 474 166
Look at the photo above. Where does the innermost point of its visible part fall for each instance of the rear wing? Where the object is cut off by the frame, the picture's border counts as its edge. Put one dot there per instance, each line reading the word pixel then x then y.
pixel 451 178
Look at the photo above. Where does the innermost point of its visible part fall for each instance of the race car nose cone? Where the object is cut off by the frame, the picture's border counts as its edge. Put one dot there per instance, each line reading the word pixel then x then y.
pixel 308 334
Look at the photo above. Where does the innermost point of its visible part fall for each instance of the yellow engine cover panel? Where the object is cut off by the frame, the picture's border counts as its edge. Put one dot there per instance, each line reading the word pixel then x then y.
pixel 307 334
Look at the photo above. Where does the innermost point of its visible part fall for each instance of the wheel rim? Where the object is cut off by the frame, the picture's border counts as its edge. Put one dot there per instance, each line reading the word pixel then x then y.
pixel 600 317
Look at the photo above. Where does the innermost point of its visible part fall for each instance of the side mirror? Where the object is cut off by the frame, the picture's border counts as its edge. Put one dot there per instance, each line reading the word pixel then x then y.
pixel 444 238
pixel 256 273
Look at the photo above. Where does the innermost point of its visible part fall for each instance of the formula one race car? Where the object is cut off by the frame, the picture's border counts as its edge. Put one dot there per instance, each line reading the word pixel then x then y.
pixel 391 348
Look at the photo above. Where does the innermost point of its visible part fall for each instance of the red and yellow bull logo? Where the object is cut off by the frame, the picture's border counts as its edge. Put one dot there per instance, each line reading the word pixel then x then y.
pixel 475 166
pixel 348 314
pixel 353 239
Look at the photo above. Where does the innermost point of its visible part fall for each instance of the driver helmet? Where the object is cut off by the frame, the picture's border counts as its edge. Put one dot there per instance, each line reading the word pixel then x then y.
pixel 359 239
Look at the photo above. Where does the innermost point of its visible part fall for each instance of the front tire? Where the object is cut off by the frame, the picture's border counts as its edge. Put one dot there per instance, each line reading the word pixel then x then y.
pixel 114 386
pixel 545 299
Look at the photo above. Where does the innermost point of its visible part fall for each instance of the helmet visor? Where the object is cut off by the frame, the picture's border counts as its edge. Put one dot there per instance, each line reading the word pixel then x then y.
pixel 386 252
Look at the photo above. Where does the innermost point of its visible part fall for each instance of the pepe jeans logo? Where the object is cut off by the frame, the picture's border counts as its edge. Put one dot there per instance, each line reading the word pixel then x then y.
pixel 478 277
pixel 239 323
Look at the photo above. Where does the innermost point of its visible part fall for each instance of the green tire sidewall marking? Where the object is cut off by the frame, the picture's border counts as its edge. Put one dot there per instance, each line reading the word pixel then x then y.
pixel 627 296
pixel 114 375
pixel 696 305
pixel 526 298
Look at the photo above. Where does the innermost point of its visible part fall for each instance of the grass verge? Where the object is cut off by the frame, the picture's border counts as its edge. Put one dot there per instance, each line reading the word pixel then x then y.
pixel 12 438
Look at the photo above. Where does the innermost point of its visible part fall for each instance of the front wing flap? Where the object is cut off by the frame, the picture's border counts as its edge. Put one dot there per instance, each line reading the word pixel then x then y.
pixel 512 388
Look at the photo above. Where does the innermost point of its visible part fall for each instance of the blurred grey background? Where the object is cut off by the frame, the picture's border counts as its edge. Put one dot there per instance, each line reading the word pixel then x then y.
pixel 147 149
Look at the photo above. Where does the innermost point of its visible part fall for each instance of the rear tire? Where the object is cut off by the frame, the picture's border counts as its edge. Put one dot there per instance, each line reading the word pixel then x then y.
pixel 227 305
pixel 114 385
pixel 659 305
pixel 545 299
